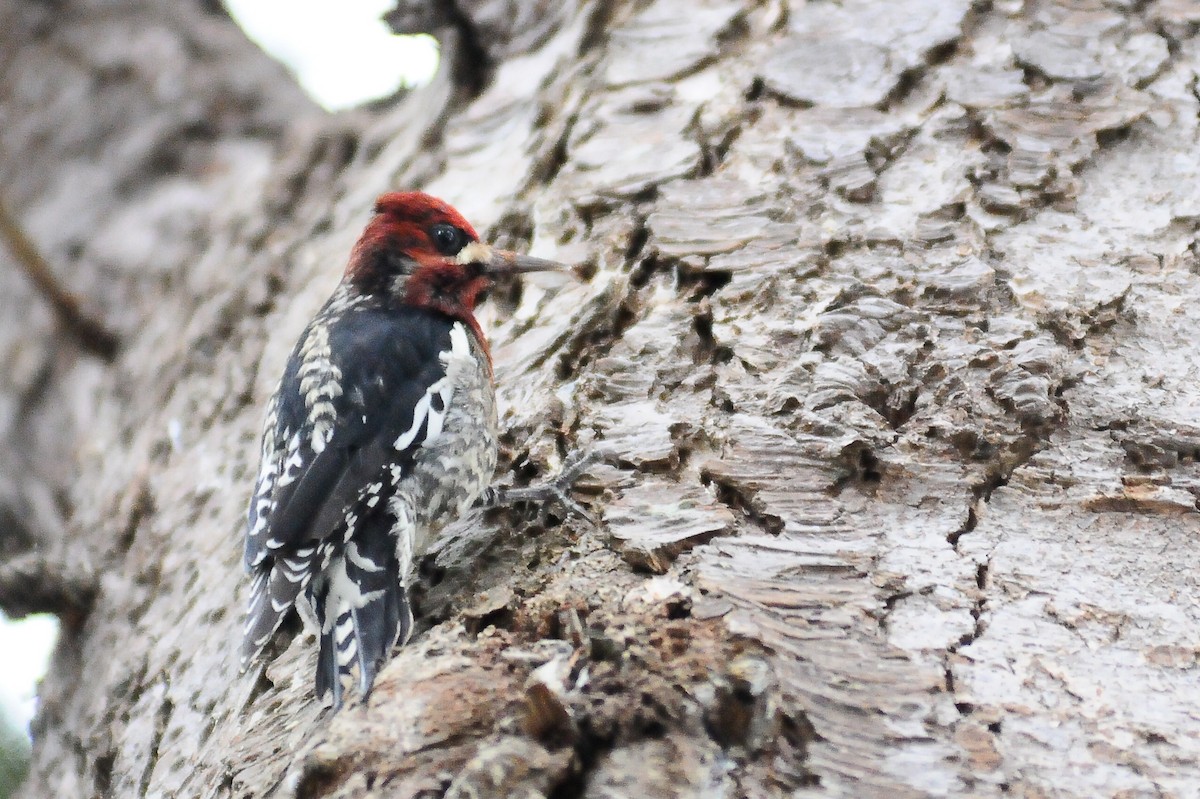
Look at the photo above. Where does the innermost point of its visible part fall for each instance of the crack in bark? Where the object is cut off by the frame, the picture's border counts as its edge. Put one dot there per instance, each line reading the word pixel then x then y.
pixel 742 503
pixel 161 719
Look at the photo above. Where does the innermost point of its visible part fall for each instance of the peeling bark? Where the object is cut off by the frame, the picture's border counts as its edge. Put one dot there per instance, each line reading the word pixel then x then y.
pixel 888 350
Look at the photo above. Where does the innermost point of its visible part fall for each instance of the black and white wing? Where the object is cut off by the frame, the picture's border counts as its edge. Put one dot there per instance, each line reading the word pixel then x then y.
pixel 360 397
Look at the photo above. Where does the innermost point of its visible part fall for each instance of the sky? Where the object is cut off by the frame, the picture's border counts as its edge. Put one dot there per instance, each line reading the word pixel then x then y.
pixel 340 50
pixel 26 645
pixel 343 55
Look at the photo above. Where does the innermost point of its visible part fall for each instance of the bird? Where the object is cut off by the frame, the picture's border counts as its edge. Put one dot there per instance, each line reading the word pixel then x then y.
pixel 381 431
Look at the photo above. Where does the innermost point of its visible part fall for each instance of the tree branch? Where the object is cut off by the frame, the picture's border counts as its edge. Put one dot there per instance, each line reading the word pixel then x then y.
pixel 91 334
pixel 33 583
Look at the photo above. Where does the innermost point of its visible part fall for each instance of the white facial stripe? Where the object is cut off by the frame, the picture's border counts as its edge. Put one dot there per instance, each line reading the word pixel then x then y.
pixel 420 412
pixel 474 253
pixel 423 412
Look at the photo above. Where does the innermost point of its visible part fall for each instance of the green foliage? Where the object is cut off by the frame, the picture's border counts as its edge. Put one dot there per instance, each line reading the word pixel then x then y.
pixel 14 756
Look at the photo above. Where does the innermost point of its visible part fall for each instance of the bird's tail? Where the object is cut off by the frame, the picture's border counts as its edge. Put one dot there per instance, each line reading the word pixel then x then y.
pixel 272 595
pixel 362 617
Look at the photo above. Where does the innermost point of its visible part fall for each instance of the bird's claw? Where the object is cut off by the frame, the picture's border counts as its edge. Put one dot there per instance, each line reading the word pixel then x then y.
pixel 557 489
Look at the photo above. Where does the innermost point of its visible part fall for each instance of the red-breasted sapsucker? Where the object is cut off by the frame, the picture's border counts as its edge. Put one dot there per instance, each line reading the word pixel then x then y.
pixel 382 430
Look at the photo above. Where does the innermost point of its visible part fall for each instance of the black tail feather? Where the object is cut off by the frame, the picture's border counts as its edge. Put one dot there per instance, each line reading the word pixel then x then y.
pixel 277 584
pixel 326 659
pixel 368 664
pixel 365 626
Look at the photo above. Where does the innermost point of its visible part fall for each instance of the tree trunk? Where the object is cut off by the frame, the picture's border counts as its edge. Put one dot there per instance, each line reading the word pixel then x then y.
pixel 889 353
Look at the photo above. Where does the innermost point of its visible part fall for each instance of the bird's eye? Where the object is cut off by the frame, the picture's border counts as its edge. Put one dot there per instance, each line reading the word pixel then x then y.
pixel 448 239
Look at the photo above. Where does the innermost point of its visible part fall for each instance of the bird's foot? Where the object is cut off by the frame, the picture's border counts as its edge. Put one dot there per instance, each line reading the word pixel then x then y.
pixel 556 489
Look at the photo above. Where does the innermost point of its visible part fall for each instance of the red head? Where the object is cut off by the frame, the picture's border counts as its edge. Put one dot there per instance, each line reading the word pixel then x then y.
pixel 417 250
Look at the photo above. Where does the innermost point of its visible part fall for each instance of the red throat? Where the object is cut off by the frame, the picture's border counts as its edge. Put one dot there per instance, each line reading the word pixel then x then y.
pixel 445 287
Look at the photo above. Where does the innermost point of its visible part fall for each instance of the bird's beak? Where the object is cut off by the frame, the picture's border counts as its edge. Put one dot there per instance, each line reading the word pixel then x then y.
pixel 504 262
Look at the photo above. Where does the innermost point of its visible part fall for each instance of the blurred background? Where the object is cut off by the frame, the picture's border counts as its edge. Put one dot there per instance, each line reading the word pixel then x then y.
pixel 343 55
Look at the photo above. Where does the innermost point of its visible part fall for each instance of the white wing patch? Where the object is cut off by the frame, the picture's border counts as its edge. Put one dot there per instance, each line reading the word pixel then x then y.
pixel 291 466
pixel 431 409
pixel 372 494
pixel 260 504
pixel 264 485
pixel 320 384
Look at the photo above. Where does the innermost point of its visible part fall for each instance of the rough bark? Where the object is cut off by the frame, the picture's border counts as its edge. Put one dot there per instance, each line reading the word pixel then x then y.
pixel 889 352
